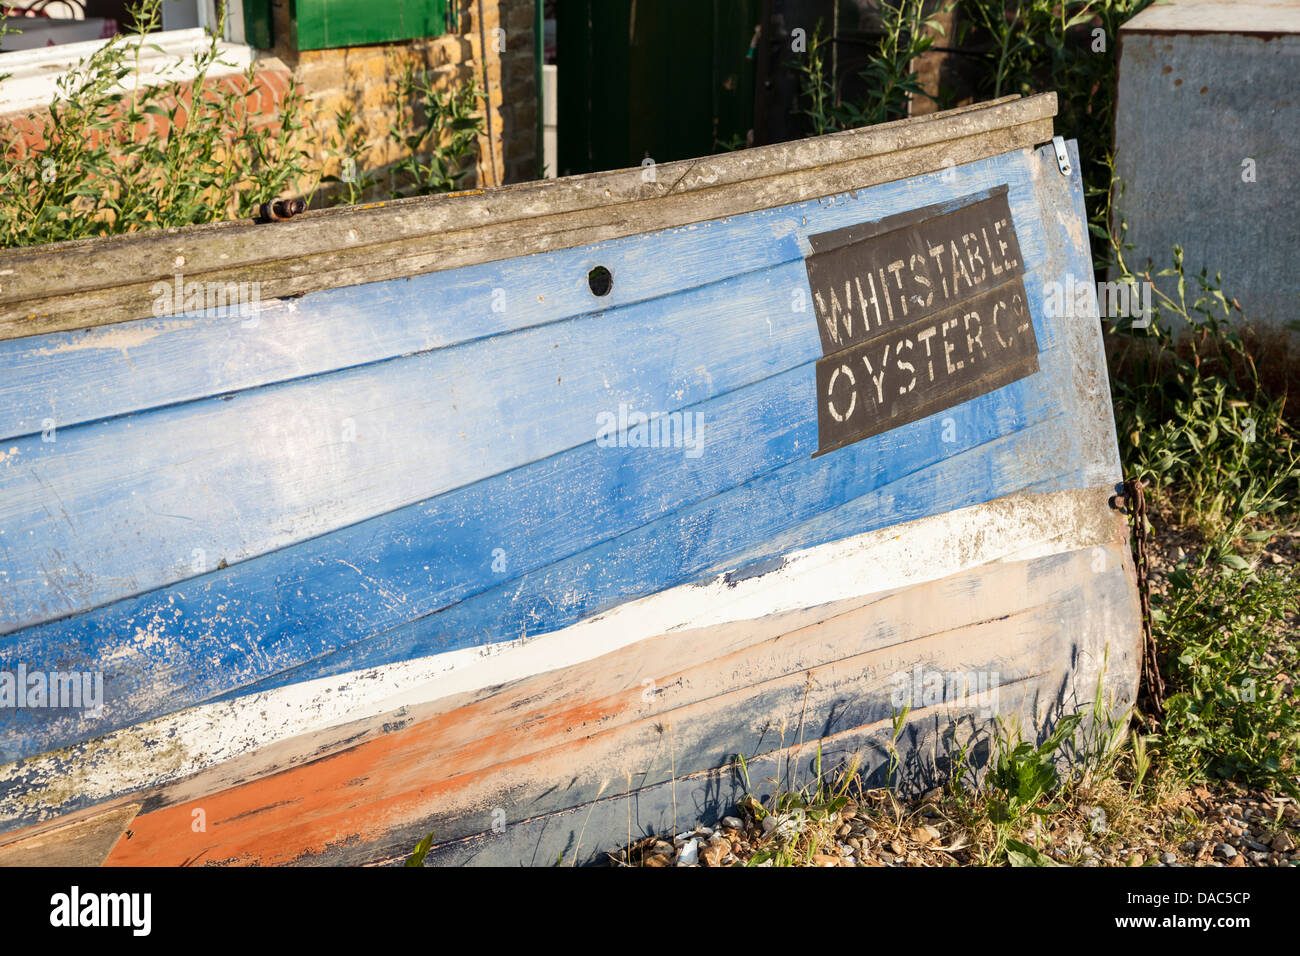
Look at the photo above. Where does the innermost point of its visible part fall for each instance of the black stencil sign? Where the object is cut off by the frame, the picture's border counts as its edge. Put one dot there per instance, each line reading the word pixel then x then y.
pixel 917 313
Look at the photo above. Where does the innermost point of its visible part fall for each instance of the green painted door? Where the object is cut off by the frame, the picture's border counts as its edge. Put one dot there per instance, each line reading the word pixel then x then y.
pixel 664 79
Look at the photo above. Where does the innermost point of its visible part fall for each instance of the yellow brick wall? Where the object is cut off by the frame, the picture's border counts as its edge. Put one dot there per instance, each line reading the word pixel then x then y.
pixel 366 78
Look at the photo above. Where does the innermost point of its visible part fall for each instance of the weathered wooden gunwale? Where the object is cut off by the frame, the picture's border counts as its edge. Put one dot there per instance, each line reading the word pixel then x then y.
pixel 93 282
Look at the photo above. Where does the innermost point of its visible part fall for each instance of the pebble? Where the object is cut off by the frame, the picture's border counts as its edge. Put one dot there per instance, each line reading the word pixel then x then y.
pixel 791 825
pixel 715 853
pixel 1096 819
pixel 690 853
pixel 1168 857
pixel 1225 851
pixel 924 835
pixel 732 823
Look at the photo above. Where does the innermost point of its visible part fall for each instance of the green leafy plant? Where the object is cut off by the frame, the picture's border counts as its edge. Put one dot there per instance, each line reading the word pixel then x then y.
pixel 438 132
pixel 1231 712
pixel 1066 46
pixel 349 147
pixel 1023 773
pixel 1220 457
pixel 804 817
pixel 817 87
pixel 1194 421
pixel 104 167
pixel 1021 778
pixel 906 32
pixel 420 852
pixel 1020 853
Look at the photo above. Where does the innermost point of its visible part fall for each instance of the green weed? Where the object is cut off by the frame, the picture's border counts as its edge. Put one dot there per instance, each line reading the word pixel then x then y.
pixel 907 31
pixel 420 852
pixel 803 818
pixel 1231 712
pixel 438 132
pixel 94 175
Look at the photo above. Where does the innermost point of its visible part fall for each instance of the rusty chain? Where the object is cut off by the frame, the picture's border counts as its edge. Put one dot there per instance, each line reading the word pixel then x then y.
pixel 1151 689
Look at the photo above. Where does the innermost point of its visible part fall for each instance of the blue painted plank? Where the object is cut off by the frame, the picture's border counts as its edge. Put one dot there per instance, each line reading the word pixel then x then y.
pixel 87 375
pixel 385 580
pixel 227 480
pixel 274 466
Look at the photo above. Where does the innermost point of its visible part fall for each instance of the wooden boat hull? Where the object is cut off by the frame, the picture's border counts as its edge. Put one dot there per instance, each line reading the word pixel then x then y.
pixel 400 557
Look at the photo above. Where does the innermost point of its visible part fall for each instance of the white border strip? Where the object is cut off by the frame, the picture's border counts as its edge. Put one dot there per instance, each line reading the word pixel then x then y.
pixel 35 73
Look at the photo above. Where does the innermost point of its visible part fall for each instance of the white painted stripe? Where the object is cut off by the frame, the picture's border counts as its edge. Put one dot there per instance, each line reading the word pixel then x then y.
pixel 165 58
pixel 208 735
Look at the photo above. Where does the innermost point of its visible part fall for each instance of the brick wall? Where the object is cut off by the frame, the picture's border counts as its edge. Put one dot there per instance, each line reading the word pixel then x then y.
pixel 24 132
pixel 365 78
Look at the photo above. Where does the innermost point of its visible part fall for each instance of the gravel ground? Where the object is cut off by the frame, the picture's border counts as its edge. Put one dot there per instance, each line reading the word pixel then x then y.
pixel 1170 544
pixel 1234 827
